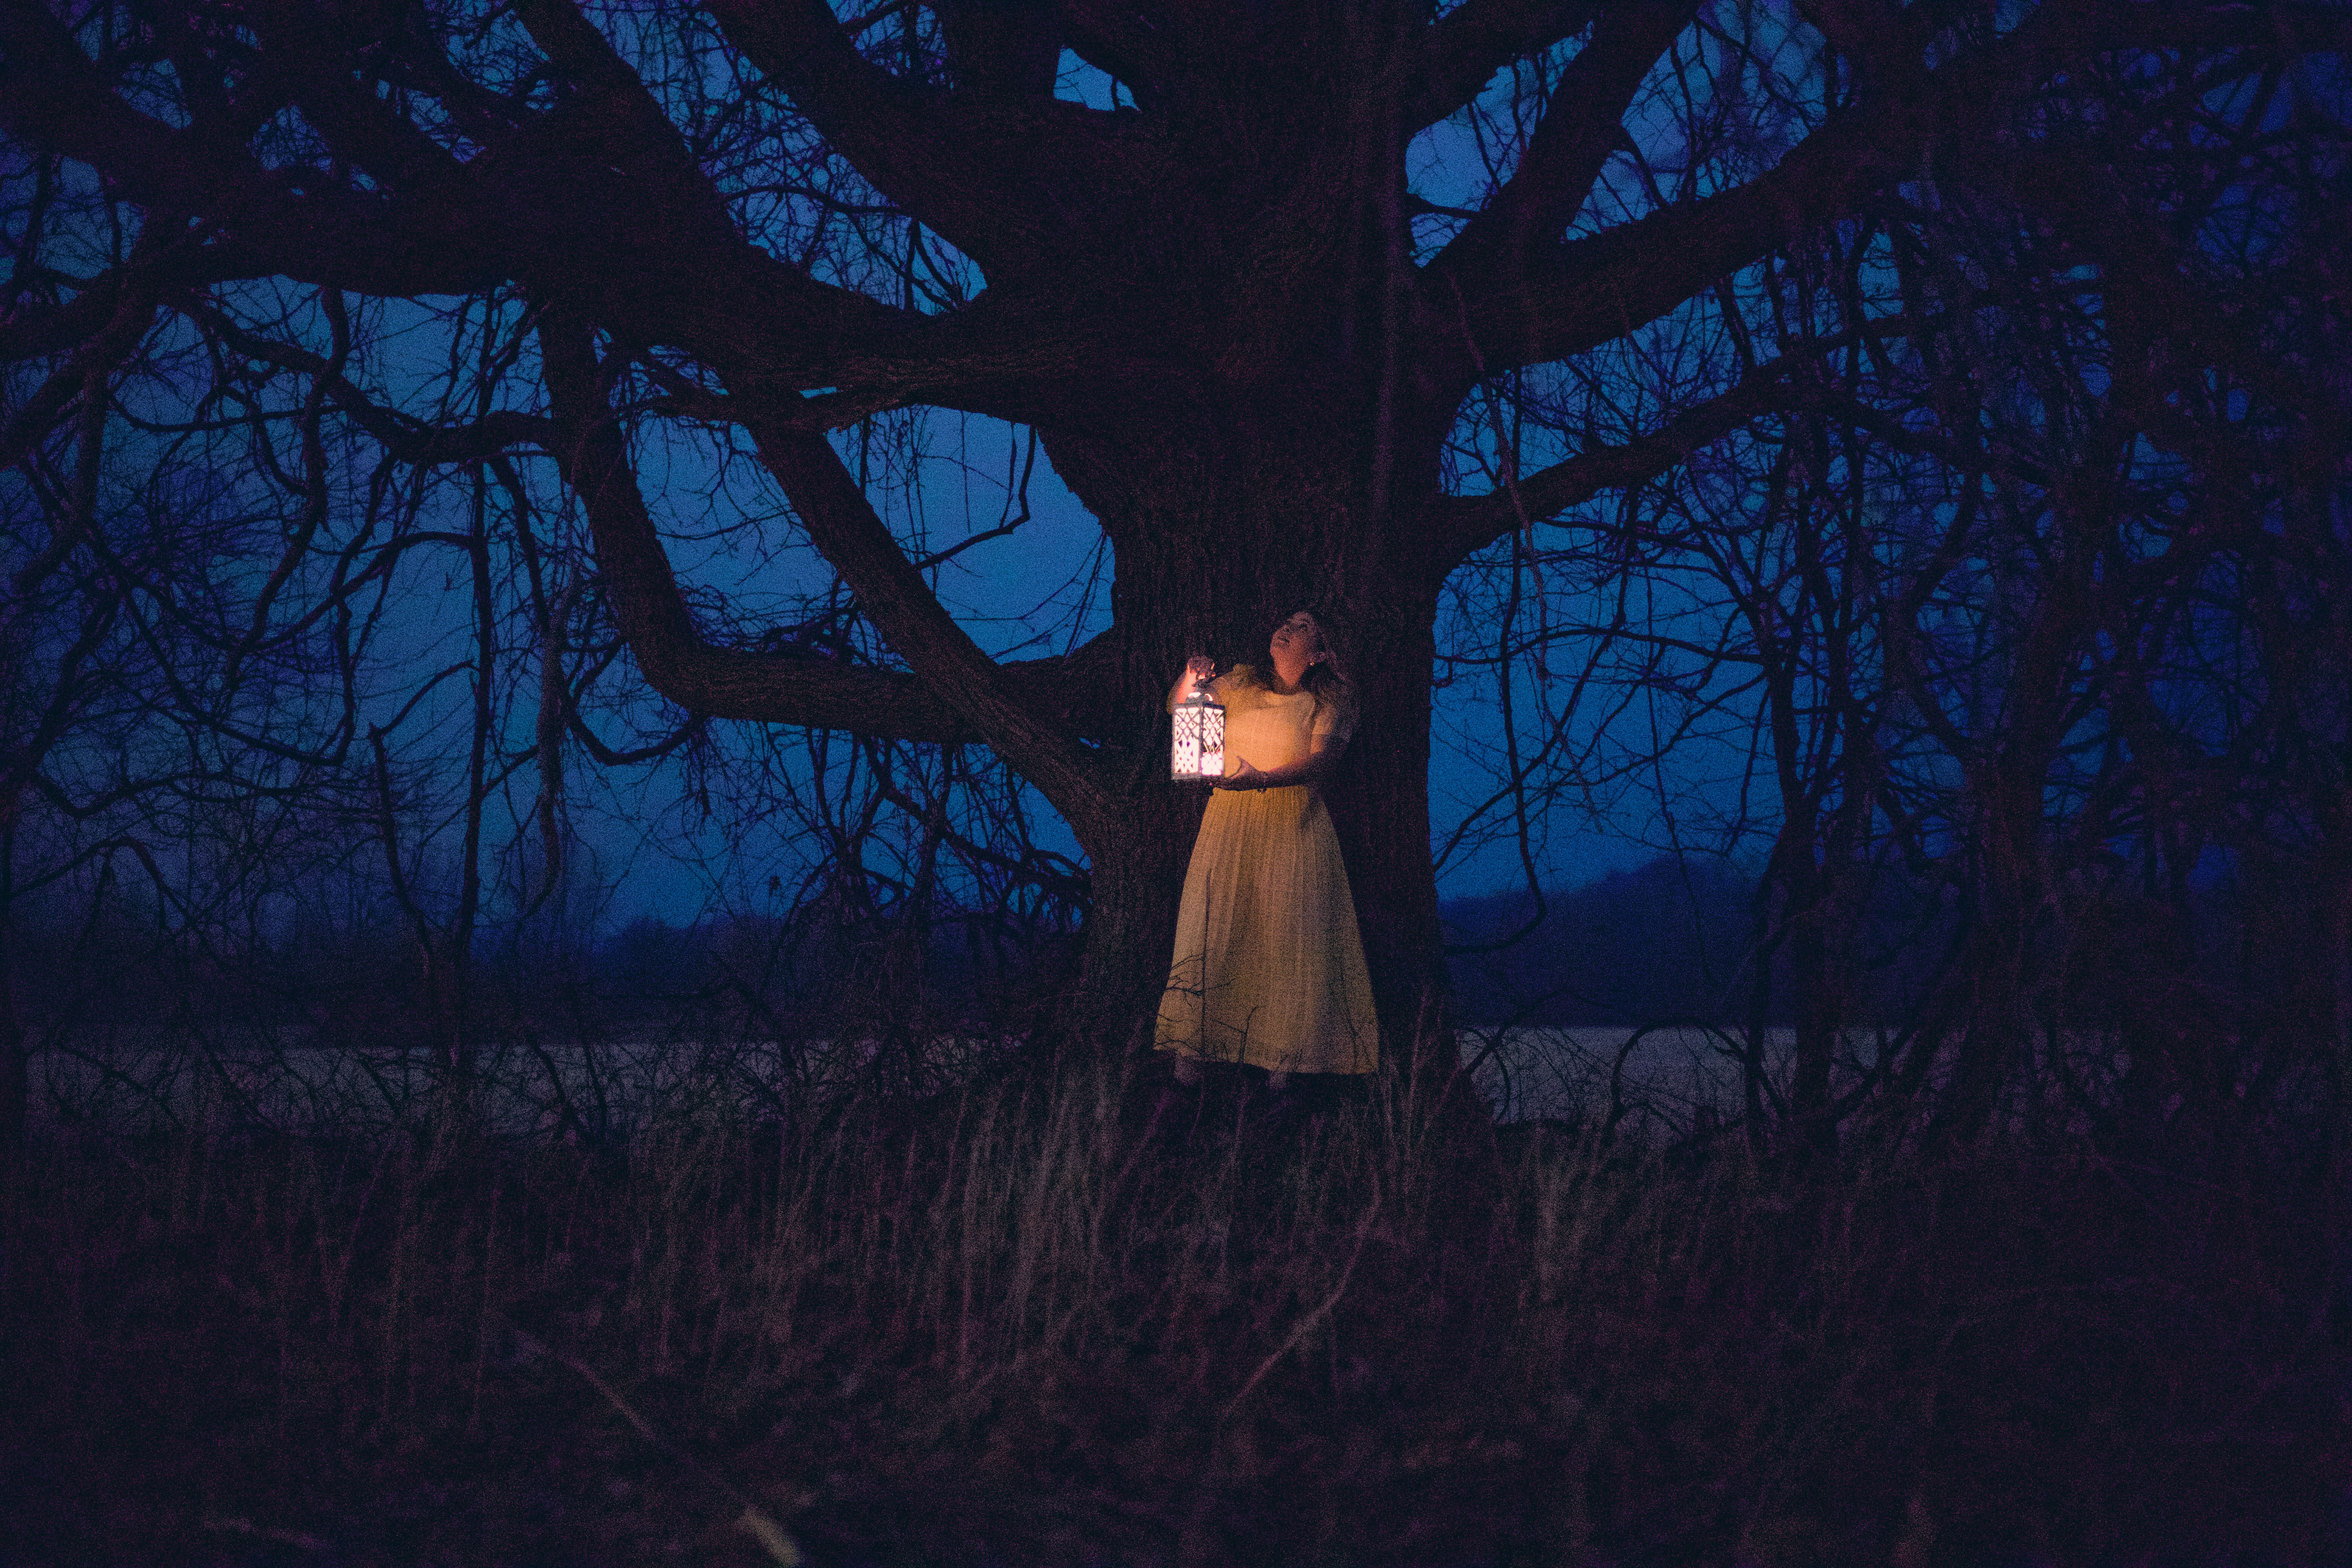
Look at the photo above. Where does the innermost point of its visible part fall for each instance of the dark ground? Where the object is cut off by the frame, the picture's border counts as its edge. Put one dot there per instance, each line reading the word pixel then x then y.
pixel 243 1352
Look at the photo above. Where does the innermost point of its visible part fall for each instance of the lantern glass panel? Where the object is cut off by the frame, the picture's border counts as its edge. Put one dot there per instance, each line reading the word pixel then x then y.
pixel 1199 749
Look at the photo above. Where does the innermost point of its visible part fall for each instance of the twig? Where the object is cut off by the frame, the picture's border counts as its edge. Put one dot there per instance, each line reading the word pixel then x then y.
pixel 1363 1229
pixel 293 1538
pixel 755 1521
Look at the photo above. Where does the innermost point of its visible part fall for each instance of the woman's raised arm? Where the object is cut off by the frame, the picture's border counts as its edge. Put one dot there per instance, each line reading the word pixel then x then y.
pixel 1200 667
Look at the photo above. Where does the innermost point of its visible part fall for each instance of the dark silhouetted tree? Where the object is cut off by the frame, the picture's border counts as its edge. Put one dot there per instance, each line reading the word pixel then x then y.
pixel 1267 363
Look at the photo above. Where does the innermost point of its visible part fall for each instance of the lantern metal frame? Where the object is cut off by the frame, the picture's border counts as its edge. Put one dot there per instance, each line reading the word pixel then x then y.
pixel 1196 751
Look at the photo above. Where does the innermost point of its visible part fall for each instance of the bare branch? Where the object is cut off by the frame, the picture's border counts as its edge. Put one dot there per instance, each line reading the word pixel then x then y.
pixel 51 96
pixel 1460 54
pixel 1006 47
pixel 1591 290
pixel 893 594
pixel 979 168
pixel 133 313
pixel 403 439
pixel 732 683
pixel 1582 125
pixel 1588 292
pixel 1460 526
pixel 29 334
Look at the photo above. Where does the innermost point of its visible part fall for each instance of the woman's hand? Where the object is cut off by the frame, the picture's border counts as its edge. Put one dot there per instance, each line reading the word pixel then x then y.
pixel 1198 669
pixel 1311 772
pixel 1244 776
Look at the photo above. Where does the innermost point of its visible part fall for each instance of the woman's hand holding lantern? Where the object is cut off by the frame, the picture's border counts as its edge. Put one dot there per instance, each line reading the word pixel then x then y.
pixel 1198 753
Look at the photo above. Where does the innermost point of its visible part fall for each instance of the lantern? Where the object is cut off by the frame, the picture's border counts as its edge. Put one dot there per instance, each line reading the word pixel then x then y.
pixel 1199 755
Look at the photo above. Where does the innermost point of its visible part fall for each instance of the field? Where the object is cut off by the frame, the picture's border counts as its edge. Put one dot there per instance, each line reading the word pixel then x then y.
pixel 1108 1323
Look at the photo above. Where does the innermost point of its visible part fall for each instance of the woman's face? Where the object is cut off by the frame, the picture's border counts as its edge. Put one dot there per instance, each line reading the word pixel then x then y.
pixel 1297 642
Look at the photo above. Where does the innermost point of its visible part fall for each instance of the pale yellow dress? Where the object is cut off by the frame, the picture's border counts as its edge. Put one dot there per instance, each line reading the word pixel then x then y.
pixel 1270 968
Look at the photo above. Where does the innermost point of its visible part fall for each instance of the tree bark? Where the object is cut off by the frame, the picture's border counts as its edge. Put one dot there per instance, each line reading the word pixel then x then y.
pixel 15 1063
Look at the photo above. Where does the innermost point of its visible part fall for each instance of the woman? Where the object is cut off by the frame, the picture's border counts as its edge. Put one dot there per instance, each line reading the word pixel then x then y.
pixel 1268 967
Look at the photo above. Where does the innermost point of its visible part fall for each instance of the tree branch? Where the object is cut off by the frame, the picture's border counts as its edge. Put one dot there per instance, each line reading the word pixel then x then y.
pixel 2150 276
pixel 405 440
pixel 1573 297
pixel 892 594
pixel 665 262
pixel 1011 48
pixel 598 199
pixel 32 333
pixel 723 682
pixel 597 203
pixel 314 62
pixel 134 302
pixel 735 683
pixel 295 222
pixel 1459 526
pixel 1581 126
pixel 1122 43
pixel 1461 53
pixel 983 169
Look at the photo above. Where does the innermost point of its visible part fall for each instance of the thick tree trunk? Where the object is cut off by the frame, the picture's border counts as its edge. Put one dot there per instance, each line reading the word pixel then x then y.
pixel 16 1062
pixel 1130 930
pixel 16 1081
pixel 1998 1027
pixel 1380 806
pixel 1284 486
pixel 1819 1018
pixel 1826 900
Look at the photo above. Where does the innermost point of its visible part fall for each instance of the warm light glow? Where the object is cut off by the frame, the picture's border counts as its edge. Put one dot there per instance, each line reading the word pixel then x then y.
pixel 1199 752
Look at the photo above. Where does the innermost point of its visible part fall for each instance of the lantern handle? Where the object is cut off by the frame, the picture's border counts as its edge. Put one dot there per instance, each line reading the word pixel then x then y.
pixel 1198 669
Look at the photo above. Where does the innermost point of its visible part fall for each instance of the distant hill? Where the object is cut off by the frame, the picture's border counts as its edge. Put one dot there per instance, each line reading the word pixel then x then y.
pixel 1666 940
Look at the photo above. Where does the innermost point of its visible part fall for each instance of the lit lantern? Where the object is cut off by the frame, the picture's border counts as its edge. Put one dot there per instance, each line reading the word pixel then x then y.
pixel 1199 755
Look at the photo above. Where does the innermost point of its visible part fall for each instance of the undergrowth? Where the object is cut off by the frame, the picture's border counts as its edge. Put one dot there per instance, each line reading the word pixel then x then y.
pixel 1117 1324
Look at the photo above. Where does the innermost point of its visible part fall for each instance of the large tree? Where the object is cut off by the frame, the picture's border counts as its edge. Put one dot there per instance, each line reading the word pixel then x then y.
pixel 1257 354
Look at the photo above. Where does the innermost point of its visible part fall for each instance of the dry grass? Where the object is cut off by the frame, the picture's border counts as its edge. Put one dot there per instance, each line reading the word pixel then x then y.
pixel 1107 1326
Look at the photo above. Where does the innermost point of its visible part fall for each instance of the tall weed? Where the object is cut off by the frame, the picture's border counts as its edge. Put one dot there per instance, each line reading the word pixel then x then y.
pixel 1097 1321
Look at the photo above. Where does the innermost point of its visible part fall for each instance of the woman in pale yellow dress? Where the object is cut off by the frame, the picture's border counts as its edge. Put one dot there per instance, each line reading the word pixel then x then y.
pixel 1269 969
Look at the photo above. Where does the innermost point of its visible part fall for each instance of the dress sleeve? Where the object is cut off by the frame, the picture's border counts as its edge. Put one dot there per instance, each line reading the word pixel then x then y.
pixel 1332 724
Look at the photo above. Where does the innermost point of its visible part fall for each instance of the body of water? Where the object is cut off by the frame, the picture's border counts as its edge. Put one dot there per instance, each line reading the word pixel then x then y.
pixel 1672 1075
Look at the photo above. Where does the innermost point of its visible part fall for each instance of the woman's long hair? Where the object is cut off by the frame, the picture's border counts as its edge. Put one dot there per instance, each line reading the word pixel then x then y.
pixel 1326 679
